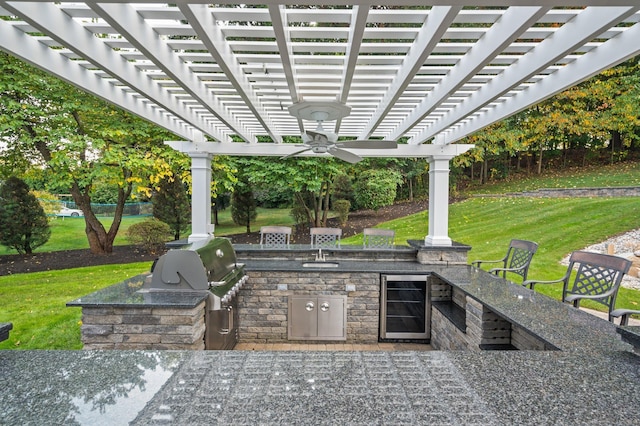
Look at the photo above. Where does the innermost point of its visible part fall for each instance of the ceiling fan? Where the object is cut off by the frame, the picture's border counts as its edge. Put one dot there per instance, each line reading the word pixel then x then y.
pixel 323 142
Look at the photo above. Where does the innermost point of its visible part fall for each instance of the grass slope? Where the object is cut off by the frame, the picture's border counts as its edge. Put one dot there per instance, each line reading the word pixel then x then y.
pixel 36 304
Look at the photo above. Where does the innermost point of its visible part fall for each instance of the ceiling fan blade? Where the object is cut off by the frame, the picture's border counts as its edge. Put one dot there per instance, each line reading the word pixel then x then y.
pixel 293 154
pixel 368 144
pixel 347 156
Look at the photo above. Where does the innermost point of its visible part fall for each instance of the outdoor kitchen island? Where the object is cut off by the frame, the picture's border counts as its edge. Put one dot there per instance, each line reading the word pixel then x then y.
pixel 591 376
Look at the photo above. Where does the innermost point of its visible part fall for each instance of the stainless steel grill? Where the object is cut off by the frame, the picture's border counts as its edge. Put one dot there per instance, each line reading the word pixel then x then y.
pixel 209 265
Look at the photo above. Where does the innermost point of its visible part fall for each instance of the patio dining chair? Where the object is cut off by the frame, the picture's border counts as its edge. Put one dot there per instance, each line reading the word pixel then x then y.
pixel 516 261
pixel 374 238
pixel 598 277
pixel 325 237
pixel 275 236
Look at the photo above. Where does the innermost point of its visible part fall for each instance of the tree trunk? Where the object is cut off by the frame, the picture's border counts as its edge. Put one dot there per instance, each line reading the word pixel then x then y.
pixel 301 202
pixel 100 240
pixel 616 143
pixel 485 171
pixel 540 159
pixel 410 184
pixel 327 196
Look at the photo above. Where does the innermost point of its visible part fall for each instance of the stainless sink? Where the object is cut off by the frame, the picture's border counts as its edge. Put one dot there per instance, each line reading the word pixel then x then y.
pixel 320 265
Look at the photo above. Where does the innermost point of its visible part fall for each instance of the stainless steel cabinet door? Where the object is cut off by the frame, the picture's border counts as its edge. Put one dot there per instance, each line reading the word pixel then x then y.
pixel 317 318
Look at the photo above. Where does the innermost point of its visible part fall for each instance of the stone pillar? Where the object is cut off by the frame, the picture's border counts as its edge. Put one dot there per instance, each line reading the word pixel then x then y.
pixel 201 227
pixel 438 201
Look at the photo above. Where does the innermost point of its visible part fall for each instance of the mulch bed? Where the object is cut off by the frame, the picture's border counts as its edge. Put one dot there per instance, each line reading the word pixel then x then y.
pixel 16 264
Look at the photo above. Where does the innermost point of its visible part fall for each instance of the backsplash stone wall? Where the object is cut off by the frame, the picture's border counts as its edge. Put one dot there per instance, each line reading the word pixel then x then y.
pixel 263 303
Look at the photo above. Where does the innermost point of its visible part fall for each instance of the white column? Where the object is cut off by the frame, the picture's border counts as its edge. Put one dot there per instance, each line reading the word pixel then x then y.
pixel 201 227
pixel 438 201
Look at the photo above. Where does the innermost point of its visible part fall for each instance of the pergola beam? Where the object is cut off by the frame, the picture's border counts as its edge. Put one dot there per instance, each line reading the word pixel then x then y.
pixel 585 26
pixel 614 51
pixel 508 28
pixel 281 150
pixel 50 20
pixel 132 26
pixel 208 30
pixel 437 23
pixel 26 48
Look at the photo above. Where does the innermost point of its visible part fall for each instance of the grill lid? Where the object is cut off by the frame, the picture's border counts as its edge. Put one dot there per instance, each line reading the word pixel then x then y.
pixel 210 263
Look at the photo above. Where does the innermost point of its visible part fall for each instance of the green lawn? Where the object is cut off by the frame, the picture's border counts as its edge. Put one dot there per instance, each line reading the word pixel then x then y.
pixel 36 304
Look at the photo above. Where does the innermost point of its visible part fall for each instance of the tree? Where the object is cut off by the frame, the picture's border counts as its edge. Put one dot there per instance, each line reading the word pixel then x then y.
pixel 243 205
pixel 78 139
pixel 171 205
pixel 23 223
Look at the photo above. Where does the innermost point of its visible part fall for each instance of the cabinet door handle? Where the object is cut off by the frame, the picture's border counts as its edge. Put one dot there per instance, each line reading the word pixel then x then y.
pixel 309 306
pixel 324 307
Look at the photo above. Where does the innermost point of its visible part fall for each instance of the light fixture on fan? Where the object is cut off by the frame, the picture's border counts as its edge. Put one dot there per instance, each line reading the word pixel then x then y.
pixel 323 142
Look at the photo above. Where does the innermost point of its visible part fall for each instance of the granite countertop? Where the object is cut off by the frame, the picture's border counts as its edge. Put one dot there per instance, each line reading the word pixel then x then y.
pixel 319 388
pixel 130 292
pixel 631 335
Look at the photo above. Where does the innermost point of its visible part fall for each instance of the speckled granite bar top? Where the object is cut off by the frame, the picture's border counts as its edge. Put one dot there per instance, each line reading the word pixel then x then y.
pixel 318 388
pixel 129 293
pixel 561 325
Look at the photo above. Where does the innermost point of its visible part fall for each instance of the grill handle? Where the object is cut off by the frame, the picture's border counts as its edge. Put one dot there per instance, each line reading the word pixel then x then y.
pixel 227 330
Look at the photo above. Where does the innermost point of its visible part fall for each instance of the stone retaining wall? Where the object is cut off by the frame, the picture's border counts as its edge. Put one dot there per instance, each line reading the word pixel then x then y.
pixel 263 303
pixel 621 191
pixel 143 328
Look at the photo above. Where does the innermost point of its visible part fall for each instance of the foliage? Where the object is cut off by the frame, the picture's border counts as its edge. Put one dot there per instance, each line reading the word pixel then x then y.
pixel 103 193
pixel 23 222
pixel 593 122
pixel 376 188
pixel 151 234
pixel 243 205
pixel 343 188
pixel 49 202
pixel 171 205
pixel 342 207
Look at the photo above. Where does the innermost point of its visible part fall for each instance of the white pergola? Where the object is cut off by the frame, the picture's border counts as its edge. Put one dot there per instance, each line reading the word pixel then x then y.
pixel 431 71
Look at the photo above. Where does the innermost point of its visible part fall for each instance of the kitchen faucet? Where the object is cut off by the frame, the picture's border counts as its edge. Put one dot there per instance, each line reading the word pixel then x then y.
pixel 320 257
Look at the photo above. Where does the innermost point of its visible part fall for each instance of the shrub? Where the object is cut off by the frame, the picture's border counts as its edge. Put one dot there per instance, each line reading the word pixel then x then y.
pixel 23 223
pixel 343 188
pixel 151 234
pixel 171 205
pixel 341 207
pixel 376 188
pixel 243 205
